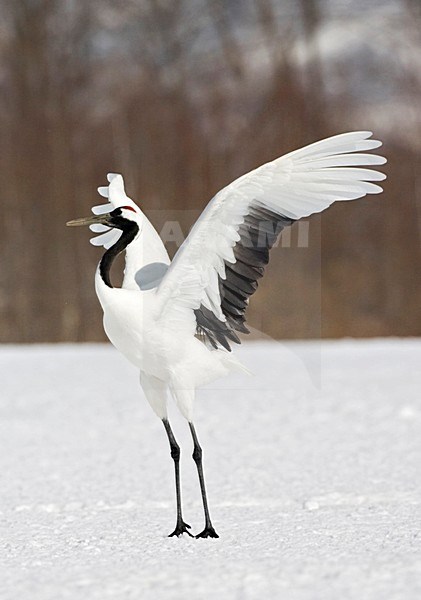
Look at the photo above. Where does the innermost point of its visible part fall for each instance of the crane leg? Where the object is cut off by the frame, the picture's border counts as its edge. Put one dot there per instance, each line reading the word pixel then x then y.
pixel 208 531
pixel 180 527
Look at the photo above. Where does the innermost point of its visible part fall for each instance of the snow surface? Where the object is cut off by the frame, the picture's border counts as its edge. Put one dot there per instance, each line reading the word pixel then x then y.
pixel 314 489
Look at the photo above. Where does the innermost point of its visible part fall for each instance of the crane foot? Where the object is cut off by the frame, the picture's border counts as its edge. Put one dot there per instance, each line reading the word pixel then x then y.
pixel 181 528
pixel 208 531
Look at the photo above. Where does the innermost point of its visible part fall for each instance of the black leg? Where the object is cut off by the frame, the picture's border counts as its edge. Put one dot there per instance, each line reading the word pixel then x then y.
pixel 181 526
pixel 208 531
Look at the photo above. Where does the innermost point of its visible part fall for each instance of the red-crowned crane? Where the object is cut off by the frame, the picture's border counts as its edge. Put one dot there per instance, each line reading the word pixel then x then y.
pixel 175 321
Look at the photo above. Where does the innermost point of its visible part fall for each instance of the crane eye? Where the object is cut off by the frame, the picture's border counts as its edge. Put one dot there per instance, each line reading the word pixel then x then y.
pixel 128 208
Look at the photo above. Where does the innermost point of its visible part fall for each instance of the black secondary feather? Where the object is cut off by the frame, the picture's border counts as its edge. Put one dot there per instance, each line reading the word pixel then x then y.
pixel 258 233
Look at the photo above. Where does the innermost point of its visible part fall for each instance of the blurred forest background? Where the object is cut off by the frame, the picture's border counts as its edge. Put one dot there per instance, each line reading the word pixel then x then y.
pixel 183 96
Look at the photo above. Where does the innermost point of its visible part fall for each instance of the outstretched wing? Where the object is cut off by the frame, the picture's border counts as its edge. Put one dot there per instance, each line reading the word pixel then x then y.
pixel 217 268
pixel 116 195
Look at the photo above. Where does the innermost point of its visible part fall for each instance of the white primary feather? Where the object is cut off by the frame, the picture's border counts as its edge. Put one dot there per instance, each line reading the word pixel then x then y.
pixel 296 185
pixel 117 197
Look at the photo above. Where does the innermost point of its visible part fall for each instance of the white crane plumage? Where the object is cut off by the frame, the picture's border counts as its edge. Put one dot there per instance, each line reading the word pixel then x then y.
pixel 175 320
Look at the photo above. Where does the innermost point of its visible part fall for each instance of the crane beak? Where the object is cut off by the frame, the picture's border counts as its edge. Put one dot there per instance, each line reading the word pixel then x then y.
pixel 96 219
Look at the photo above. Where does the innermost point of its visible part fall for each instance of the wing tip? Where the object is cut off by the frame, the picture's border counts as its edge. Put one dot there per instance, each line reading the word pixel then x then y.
pixel 100 209
pixel 103 191
pixel 112 176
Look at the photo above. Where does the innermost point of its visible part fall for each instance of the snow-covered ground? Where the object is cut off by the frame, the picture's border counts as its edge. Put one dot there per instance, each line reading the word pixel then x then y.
pixel 314 487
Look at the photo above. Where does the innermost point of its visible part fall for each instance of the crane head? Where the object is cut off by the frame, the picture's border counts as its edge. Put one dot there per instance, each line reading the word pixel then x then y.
pixel 117 218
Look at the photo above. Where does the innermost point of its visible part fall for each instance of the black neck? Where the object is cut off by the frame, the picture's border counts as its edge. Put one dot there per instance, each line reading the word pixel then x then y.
pixel 130 230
